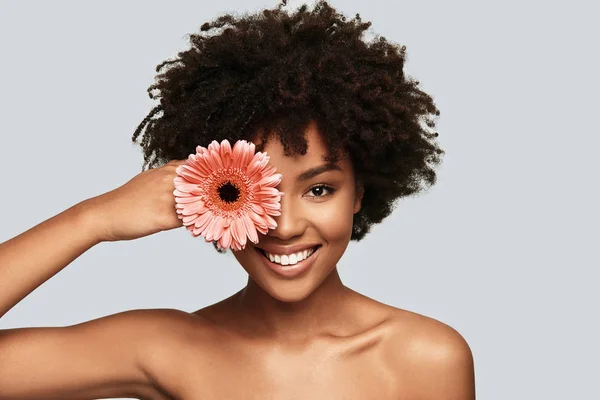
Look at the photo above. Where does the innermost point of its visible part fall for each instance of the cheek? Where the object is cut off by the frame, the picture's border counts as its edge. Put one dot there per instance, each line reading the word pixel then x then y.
pixel 243 256
pixel 334 219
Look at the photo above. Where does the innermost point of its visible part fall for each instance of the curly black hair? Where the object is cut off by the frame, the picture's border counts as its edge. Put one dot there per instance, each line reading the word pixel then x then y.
pixel 277 72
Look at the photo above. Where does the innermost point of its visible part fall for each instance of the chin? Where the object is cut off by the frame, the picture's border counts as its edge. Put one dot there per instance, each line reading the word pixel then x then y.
pixel 288 289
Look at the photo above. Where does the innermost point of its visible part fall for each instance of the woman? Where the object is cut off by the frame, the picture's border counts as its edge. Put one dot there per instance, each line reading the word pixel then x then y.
pixel 343 126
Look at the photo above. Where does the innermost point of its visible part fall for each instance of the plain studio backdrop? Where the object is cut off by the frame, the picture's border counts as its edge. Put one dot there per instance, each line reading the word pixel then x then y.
pixel 501 248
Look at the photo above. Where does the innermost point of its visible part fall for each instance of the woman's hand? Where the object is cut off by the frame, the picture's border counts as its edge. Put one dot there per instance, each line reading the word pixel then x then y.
pixel 142 206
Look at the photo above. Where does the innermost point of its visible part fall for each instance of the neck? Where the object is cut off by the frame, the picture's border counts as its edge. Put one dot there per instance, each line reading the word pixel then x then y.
pixel 318 314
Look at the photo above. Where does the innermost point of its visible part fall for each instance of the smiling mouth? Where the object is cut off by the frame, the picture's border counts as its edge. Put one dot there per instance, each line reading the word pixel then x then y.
pixel 264 254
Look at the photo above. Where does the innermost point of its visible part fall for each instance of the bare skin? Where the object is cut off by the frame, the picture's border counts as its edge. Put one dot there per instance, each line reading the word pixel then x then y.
pixel 311 336
pixel 386 353
pixel 277 338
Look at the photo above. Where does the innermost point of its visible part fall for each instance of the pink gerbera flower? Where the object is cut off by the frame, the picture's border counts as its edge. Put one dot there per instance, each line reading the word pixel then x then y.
pixel 227 195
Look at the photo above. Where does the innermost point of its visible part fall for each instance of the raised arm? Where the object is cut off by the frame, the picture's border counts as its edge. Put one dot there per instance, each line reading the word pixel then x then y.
pixel 98 358
pixel 34 256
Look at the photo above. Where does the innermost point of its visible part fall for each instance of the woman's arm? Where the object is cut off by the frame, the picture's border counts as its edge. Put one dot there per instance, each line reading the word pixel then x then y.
pixel 142 206
pixel 98 358
pixel 34 256
pixel 101 358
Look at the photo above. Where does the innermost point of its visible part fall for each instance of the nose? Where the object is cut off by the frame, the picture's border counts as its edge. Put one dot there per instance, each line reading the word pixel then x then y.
pixel 291 222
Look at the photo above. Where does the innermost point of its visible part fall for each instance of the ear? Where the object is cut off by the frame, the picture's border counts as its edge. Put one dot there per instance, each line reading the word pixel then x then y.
pixel 360 191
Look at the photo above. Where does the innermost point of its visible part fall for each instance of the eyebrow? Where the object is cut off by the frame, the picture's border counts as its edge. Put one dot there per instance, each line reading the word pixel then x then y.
pixel 311 173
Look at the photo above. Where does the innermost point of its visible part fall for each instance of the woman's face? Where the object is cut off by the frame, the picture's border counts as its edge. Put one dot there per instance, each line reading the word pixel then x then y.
pixel 317 208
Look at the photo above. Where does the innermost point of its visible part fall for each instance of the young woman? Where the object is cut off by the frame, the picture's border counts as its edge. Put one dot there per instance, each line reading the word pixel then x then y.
pixel 343 126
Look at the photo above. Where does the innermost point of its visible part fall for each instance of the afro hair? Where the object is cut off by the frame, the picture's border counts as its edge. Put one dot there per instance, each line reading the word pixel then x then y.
pixel 276 72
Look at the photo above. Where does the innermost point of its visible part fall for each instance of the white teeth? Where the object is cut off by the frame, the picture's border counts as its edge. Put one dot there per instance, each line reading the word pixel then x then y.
pixel 290 259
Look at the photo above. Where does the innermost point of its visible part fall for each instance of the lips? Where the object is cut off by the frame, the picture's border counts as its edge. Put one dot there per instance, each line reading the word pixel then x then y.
pixel 314 248
pixel 290 270
pixel 278 249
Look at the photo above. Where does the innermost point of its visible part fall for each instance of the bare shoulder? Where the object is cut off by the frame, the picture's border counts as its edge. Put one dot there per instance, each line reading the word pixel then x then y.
pixel 173 336
pixel 167 329
pixel 426 334
pixel 167 322
pixel 107 357
pixel 173 339
pixel 435 355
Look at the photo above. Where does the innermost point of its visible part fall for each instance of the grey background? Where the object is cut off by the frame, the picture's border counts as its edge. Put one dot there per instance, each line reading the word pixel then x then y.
pixel 501 248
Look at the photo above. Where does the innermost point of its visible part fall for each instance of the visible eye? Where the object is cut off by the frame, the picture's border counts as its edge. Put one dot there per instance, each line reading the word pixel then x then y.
pixel 317 190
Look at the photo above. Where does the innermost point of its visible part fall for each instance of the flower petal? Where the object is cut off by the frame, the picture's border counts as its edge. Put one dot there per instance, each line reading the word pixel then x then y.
pixel 270 180
pixel 189 219
pixel 198 161
pixel 200 150
pixel 267 191
pixel 274 213
pixel 249 228
pixel 219 227
pixel 202 216
pixel 187 187
pixel 256 166
pixel 217 157
pixel 225 153
pixel 184 198
pixel 259 221
pixel 247 156
pixel 211 229
pixel 262 230
pixel 181 195
pixel 271 222
pixel 197 207
pixel 238 231
pixel 203 220
pixel 239 148
pixel 257 208
pixel 225 240
pixel 212 161
pixel 214 146
pixel 271 208
pixel 191 174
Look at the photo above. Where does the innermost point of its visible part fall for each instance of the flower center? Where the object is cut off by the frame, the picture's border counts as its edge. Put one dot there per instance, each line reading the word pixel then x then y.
pixel 228 192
